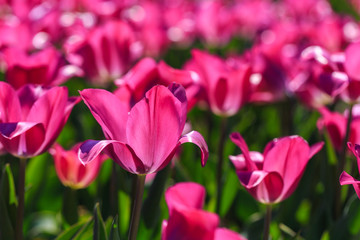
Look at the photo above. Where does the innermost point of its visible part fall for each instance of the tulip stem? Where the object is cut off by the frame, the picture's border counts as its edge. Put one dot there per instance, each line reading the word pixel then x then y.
pixel 267 222
pixel 135 215
pixel 341 164
pixel 21 194
pixel 219 176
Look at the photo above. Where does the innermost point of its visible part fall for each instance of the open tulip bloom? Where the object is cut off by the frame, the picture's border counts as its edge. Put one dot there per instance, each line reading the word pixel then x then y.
pixel 345 178
pixel 274 175
pixel 144 139
pixel 187 220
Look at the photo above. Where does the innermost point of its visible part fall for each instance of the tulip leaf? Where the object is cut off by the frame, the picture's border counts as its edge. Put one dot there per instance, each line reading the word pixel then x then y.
pixel 8 204
pixel 151 206
pixel 71 231
pixel 229 192
pixel 35 179
pixel 99 225
pixel 124 215
pixel 330 150
pixel 114 230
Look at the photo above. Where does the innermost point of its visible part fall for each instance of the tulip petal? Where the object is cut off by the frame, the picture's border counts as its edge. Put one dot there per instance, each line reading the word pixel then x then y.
pixel 345 179
pixel 109 112
pixel 119 152
pixel 251 179
pixel 154 126
pixel 224 233
pixel 12 130
pixel 10 108
pixel 191 224
pixel 315 148
pixel 240 142
pixel 356 151
pixel 185 195
pixel 352 60
pixel 196 138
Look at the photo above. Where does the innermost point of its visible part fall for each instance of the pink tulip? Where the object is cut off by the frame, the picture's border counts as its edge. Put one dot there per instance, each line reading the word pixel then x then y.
pixel 147 73
pixel 273 176
pixel 345 178
pixel 31 118
pixel 335 125
pixel 46 68
pixel 143 139
pixel 106 52
pixel 187 220
pixel 70 170
pixel 226 83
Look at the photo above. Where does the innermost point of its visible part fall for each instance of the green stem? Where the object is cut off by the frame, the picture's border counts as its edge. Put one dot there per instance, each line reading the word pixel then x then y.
pixel 114 190
pixel 135 215
pixel 219 176
pixel 341 164
pixel 21 194
pixel 267 222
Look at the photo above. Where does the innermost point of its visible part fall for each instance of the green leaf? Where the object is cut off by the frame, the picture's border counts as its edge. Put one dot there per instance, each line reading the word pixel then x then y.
pixel 114 231
pixel 330 150
pixel 124 215
pixel 8 204
pixel 69 233
pixel 99 224
pixel 229 192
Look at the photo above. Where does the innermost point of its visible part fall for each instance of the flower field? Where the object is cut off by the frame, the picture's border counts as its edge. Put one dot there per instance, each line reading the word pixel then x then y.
pixel 179 119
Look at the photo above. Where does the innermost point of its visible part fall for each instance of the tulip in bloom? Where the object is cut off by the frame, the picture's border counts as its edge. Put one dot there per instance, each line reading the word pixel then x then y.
pixel 31 118
pixel 46 67
pixel 147 73
pixel 70 170
pixel 226 83
pixel 142 139
pixel 187 220
pixel 345 178
pixel 274 175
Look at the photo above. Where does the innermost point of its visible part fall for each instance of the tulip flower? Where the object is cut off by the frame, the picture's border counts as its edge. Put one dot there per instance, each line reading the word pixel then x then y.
pixel 32 117
pixel 45 68
pixel 106 52
pixel 144 139
pixel 345 178
pixel 187 220
pixel 147 73
pixel 70 170
pixel 226 83
pixel 273 176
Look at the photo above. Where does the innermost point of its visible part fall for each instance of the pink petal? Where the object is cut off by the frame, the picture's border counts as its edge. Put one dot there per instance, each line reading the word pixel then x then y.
pixel 251 179
pixel 185 195
pixel 240 142
pixel 12 130
pixel 224 233
pixel 270 189
pixel 345 179
pixel 315 148
pixel 352 60
pixel 108 111
pixel 9 104
pixel 197 138
pixel 155 126
pixel 117 151
pixel 191 224
pixel 356 151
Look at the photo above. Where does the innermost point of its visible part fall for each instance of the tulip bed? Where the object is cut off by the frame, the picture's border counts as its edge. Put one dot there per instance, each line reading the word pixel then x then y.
pixel 179 120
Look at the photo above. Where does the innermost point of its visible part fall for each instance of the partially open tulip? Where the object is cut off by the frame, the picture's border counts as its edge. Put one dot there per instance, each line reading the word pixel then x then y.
pixel 226 83
pixel 142 139
pixel 31 118
pixel 187 220
pixel 147 73
pixel 70 170
pixel 46 68
pixel 345 178
pixel 274 175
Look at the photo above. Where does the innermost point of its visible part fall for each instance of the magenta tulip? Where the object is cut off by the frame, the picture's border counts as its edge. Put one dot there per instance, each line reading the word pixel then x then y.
pixel 274 175
pixel 345 178
pixel 144 139
pixel 187 220
pixel 31 118
pixel 46 68
pixel 226 83
pixel 70 170
pixel 147 73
